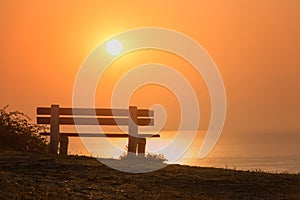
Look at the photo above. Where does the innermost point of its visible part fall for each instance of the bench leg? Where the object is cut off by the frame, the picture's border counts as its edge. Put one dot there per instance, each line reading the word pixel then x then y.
pixel 132 145
pixel 64 142
pixel 141 147
pixel 136 147
pixel 54 129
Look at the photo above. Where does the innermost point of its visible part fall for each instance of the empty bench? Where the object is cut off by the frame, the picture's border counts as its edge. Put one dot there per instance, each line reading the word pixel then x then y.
pixel 131 117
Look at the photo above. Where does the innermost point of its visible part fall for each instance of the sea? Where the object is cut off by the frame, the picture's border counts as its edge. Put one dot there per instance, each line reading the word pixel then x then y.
pixel 268 151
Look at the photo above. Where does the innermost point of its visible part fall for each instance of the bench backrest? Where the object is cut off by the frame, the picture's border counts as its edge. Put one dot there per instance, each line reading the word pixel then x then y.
pixel 56 116
pixel 104 116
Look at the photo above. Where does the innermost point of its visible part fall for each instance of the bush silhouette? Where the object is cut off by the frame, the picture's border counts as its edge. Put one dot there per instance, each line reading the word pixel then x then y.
pixel 149 157
pixel 156 157
pixel 17 132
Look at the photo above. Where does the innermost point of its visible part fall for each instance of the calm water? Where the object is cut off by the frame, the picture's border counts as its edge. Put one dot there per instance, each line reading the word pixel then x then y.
pixel 268 151
pixel 274 152
pixel 290 164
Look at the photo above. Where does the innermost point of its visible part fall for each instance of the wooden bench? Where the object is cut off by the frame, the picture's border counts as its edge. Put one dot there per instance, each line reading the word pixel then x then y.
pixel 132 117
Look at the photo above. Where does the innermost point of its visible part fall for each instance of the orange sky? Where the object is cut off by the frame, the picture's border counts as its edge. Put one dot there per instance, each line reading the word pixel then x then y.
pixel 255 44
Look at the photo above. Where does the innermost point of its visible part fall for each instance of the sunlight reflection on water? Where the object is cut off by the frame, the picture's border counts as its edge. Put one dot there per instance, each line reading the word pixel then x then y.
pixel 274 152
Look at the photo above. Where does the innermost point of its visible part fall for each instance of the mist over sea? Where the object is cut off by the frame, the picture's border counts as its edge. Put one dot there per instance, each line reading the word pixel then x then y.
pixel 267 151
pixel 277 164
pixel 261 150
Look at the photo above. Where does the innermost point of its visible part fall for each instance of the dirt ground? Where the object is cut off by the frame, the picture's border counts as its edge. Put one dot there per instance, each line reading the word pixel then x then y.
pixel 42 176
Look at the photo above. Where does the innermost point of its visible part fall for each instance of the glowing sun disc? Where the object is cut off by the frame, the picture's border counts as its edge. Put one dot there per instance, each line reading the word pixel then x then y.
pixel 114 47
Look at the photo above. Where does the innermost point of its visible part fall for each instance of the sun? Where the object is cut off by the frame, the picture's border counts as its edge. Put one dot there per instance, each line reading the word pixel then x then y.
pixel 114 47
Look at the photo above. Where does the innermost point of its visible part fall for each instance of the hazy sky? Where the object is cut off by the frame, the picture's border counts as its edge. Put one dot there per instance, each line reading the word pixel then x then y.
pixel 255 45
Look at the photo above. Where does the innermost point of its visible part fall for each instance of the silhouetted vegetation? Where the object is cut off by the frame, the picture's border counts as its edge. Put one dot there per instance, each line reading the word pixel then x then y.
pixel 150 157
pixel 17 132
pixel 156 157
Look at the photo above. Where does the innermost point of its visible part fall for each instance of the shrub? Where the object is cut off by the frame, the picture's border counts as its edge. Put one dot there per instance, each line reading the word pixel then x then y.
pixel 150 157
pixel 155 157
pixel 17 132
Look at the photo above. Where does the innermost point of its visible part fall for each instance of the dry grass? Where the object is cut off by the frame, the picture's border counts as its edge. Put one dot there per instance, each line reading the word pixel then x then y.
pixel 41 176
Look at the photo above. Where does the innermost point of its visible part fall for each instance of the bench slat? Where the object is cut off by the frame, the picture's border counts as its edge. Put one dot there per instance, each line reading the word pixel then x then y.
pixel 97 111
pixel 112 135
pixel 95 121
pixel 145 113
